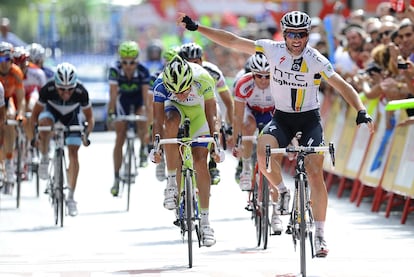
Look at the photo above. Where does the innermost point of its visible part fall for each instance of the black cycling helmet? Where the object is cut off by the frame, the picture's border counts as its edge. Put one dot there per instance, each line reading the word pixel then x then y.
pixel 295 20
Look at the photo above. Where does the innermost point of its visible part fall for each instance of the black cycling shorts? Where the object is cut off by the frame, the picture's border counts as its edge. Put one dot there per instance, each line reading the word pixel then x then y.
pixel 284 127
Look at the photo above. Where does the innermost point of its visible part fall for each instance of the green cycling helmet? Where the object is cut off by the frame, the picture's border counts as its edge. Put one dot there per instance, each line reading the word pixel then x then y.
pixel 177 75
pixel 128 49
pixel 170 53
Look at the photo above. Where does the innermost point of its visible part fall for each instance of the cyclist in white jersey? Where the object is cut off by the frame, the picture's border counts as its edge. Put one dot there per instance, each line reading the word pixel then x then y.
pixel 185 90
pixel 296 71
pixel 193 52
pixel 254 107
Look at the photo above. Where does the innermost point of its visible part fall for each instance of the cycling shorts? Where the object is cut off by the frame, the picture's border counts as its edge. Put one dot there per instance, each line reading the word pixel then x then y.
pixel 284 127
pixel 71 138
pixel 126 101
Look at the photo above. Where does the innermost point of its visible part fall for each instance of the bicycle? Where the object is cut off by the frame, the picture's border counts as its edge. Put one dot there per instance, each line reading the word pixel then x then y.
pixel 301 222
pixel 20 149
pixel 129 168
pixel 58 168
pixel 188 210
pixel 258 198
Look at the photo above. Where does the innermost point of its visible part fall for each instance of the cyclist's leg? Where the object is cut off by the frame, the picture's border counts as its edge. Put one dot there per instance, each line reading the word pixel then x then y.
pixel 274 136
pixel 249 128
pixel 120 135
pixel 143 135
pixel 199 127
pixel 200 154
pixel 46 118
pixel 73 140
pixel 9 143
pixel 172 121
pixel 319 194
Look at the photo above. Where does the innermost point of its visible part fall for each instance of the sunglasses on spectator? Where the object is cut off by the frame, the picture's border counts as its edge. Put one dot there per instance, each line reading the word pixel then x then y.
pixel 262 76
pixel 293 35
pixel 125 62
pixel 386 33
pixel 65 89
pixel 4 59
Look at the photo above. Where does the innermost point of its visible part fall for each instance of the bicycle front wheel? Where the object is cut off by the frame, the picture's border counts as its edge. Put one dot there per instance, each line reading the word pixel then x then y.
pixel 128 169
pixel 302 225
pixel 265 211
pixel 189 214
pixel 256 208
pixel 58 194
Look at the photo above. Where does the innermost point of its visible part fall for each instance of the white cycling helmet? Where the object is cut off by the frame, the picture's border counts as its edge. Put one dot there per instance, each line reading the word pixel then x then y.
pixel 191 51
pixel 295 20
pixel 66 76
pixel 37 52
pixel 258 63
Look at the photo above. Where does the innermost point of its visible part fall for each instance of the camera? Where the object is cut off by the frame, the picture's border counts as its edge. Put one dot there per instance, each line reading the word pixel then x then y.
pixel 373 67
pixel 402 65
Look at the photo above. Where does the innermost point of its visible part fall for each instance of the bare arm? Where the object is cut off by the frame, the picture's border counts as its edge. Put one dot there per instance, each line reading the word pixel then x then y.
pixel 211 114
pixel 158 119
pixel 113 93
pixel 228 102
pixel 89 118
pixel 222 37
pixel 238 117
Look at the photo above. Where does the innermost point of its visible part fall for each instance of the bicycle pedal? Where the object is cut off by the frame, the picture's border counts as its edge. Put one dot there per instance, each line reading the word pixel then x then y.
pixel 288 230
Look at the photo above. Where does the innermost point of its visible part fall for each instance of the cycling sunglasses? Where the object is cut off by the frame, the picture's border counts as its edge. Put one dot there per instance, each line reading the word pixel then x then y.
pixel 125 62
pixel 64 89
pixel 261 76
pixel 293 35
pixel 4 59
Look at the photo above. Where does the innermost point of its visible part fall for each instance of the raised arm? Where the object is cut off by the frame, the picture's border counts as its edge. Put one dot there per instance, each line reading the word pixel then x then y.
pixel 219 36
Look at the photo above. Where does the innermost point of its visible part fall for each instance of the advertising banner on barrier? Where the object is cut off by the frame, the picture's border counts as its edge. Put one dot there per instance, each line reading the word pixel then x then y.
pixel 334 127
pixel 374 163
pixel 399 170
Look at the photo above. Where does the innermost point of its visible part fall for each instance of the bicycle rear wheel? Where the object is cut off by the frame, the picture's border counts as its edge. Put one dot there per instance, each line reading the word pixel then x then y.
pixel 189 215
pixel 302 225
pixel 265 211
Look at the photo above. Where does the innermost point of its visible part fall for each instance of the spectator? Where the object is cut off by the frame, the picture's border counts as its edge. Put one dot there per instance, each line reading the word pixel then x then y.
pixel 8 36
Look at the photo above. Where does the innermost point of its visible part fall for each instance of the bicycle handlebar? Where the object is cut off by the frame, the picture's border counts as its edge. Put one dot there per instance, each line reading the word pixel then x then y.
pixel 299 149
pixel 131 118
pixel 187 141
pixel 63 128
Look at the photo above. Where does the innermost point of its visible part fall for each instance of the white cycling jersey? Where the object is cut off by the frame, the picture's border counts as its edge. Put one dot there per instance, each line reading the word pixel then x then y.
pixel 260 100
pixel 34 79
pixel 295 80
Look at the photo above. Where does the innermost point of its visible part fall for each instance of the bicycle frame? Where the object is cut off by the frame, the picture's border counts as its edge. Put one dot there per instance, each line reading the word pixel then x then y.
pixel 301 221
pixel 129 164
pixel 188 202
pixel 57 171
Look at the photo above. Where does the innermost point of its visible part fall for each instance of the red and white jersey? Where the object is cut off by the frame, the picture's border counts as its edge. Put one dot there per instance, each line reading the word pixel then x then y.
pixel 260 100
pixel 34 79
